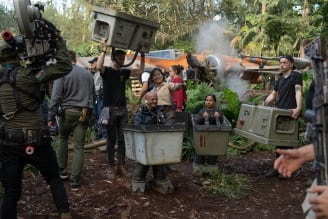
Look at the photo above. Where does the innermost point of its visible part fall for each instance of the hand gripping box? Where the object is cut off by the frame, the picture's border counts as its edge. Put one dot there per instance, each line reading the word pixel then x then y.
pixel 154 144
pixel 211 139
pixel 267 125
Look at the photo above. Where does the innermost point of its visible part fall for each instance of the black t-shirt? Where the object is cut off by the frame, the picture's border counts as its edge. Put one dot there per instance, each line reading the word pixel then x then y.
pixel 114 82
pixel 211 119
pixel 286 90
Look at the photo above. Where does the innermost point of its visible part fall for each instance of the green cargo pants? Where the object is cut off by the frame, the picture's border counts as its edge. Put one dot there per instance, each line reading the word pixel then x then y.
pixel 70 124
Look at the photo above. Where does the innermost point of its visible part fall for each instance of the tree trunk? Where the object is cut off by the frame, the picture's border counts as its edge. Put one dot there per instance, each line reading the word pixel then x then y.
pixel 91 145
pixel 305 18
pixel 263 7
pixel 263 11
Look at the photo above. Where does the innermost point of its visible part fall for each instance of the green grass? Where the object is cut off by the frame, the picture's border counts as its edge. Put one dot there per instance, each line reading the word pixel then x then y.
pixel 232 186
pixel 90 135
pixel 188 150
pixel 240 145
pixel 263 147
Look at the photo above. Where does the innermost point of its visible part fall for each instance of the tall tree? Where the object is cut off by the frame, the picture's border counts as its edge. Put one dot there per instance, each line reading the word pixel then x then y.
pixel 7 20
pixel 267 27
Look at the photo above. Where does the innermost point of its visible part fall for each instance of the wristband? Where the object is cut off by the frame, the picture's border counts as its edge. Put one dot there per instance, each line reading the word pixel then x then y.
pixel 104 51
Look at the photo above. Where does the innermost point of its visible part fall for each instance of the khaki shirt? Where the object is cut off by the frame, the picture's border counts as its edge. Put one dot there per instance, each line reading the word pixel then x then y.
pixel 164 92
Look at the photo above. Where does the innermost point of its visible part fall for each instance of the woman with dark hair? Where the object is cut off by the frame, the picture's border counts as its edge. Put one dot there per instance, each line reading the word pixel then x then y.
pixel 209 115
pixel 179 98
pixel 164 92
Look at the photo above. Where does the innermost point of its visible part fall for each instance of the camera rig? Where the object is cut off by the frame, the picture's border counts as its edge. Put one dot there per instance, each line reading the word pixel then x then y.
pixel 36 42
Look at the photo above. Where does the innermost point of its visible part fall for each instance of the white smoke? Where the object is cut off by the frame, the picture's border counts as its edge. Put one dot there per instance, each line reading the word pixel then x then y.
pixel 237 85
pixel 212 38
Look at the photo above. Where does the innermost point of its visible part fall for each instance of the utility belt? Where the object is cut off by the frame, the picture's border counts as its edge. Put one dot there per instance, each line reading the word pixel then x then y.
pixel 112 108
pixel 84 112
pixel 74 109
pixel 30 138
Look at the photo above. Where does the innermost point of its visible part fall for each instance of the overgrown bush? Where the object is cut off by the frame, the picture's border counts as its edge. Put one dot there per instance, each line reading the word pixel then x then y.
pixel 227 100
pixel 188 149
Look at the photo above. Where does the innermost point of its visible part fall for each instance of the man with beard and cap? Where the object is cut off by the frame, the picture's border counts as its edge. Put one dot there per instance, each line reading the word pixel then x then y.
pixel 287 94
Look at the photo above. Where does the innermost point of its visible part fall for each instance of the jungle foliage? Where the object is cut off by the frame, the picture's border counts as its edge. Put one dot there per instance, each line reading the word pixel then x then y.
pixel 227 101
pixel 266 27
pixel 254 27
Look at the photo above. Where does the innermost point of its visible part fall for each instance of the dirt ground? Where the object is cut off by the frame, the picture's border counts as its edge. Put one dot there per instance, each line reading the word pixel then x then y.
pixel 102 198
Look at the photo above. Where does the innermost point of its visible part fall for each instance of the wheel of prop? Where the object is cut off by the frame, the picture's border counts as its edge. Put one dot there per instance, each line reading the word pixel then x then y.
pixel 25 15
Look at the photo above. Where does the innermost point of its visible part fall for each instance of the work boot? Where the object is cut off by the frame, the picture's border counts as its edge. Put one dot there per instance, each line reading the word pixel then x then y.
pixel 111 174
pixel 164 186
pixel 75 183
pixel 63 173
pixel 138 185
pixel 65 216
pixel 121 171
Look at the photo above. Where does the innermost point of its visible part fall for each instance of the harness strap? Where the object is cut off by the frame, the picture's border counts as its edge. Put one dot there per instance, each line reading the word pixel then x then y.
pixel 8 116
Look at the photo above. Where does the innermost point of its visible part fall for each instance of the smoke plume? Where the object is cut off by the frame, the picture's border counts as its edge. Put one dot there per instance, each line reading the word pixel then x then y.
pixel 212 36
pixel 213 39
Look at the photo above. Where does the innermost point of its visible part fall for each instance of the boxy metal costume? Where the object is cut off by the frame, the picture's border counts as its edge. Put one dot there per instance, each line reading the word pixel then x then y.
pixel 160 182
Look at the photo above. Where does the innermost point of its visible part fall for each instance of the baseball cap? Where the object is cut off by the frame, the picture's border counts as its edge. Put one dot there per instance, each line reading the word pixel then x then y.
pixel 289 57
pixel 93 60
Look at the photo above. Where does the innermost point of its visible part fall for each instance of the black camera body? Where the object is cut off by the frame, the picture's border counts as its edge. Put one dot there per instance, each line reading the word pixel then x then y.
pixel 36 42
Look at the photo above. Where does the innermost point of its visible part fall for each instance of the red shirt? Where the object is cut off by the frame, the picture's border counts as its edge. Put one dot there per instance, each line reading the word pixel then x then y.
pixel 179 96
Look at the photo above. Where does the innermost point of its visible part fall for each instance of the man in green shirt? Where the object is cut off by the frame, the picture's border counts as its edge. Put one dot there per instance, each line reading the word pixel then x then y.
pixel 23 136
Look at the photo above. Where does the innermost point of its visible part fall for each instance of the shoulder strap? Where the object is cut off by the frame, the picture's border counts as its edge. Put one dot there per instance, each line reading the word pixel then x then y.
pixel 9 76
